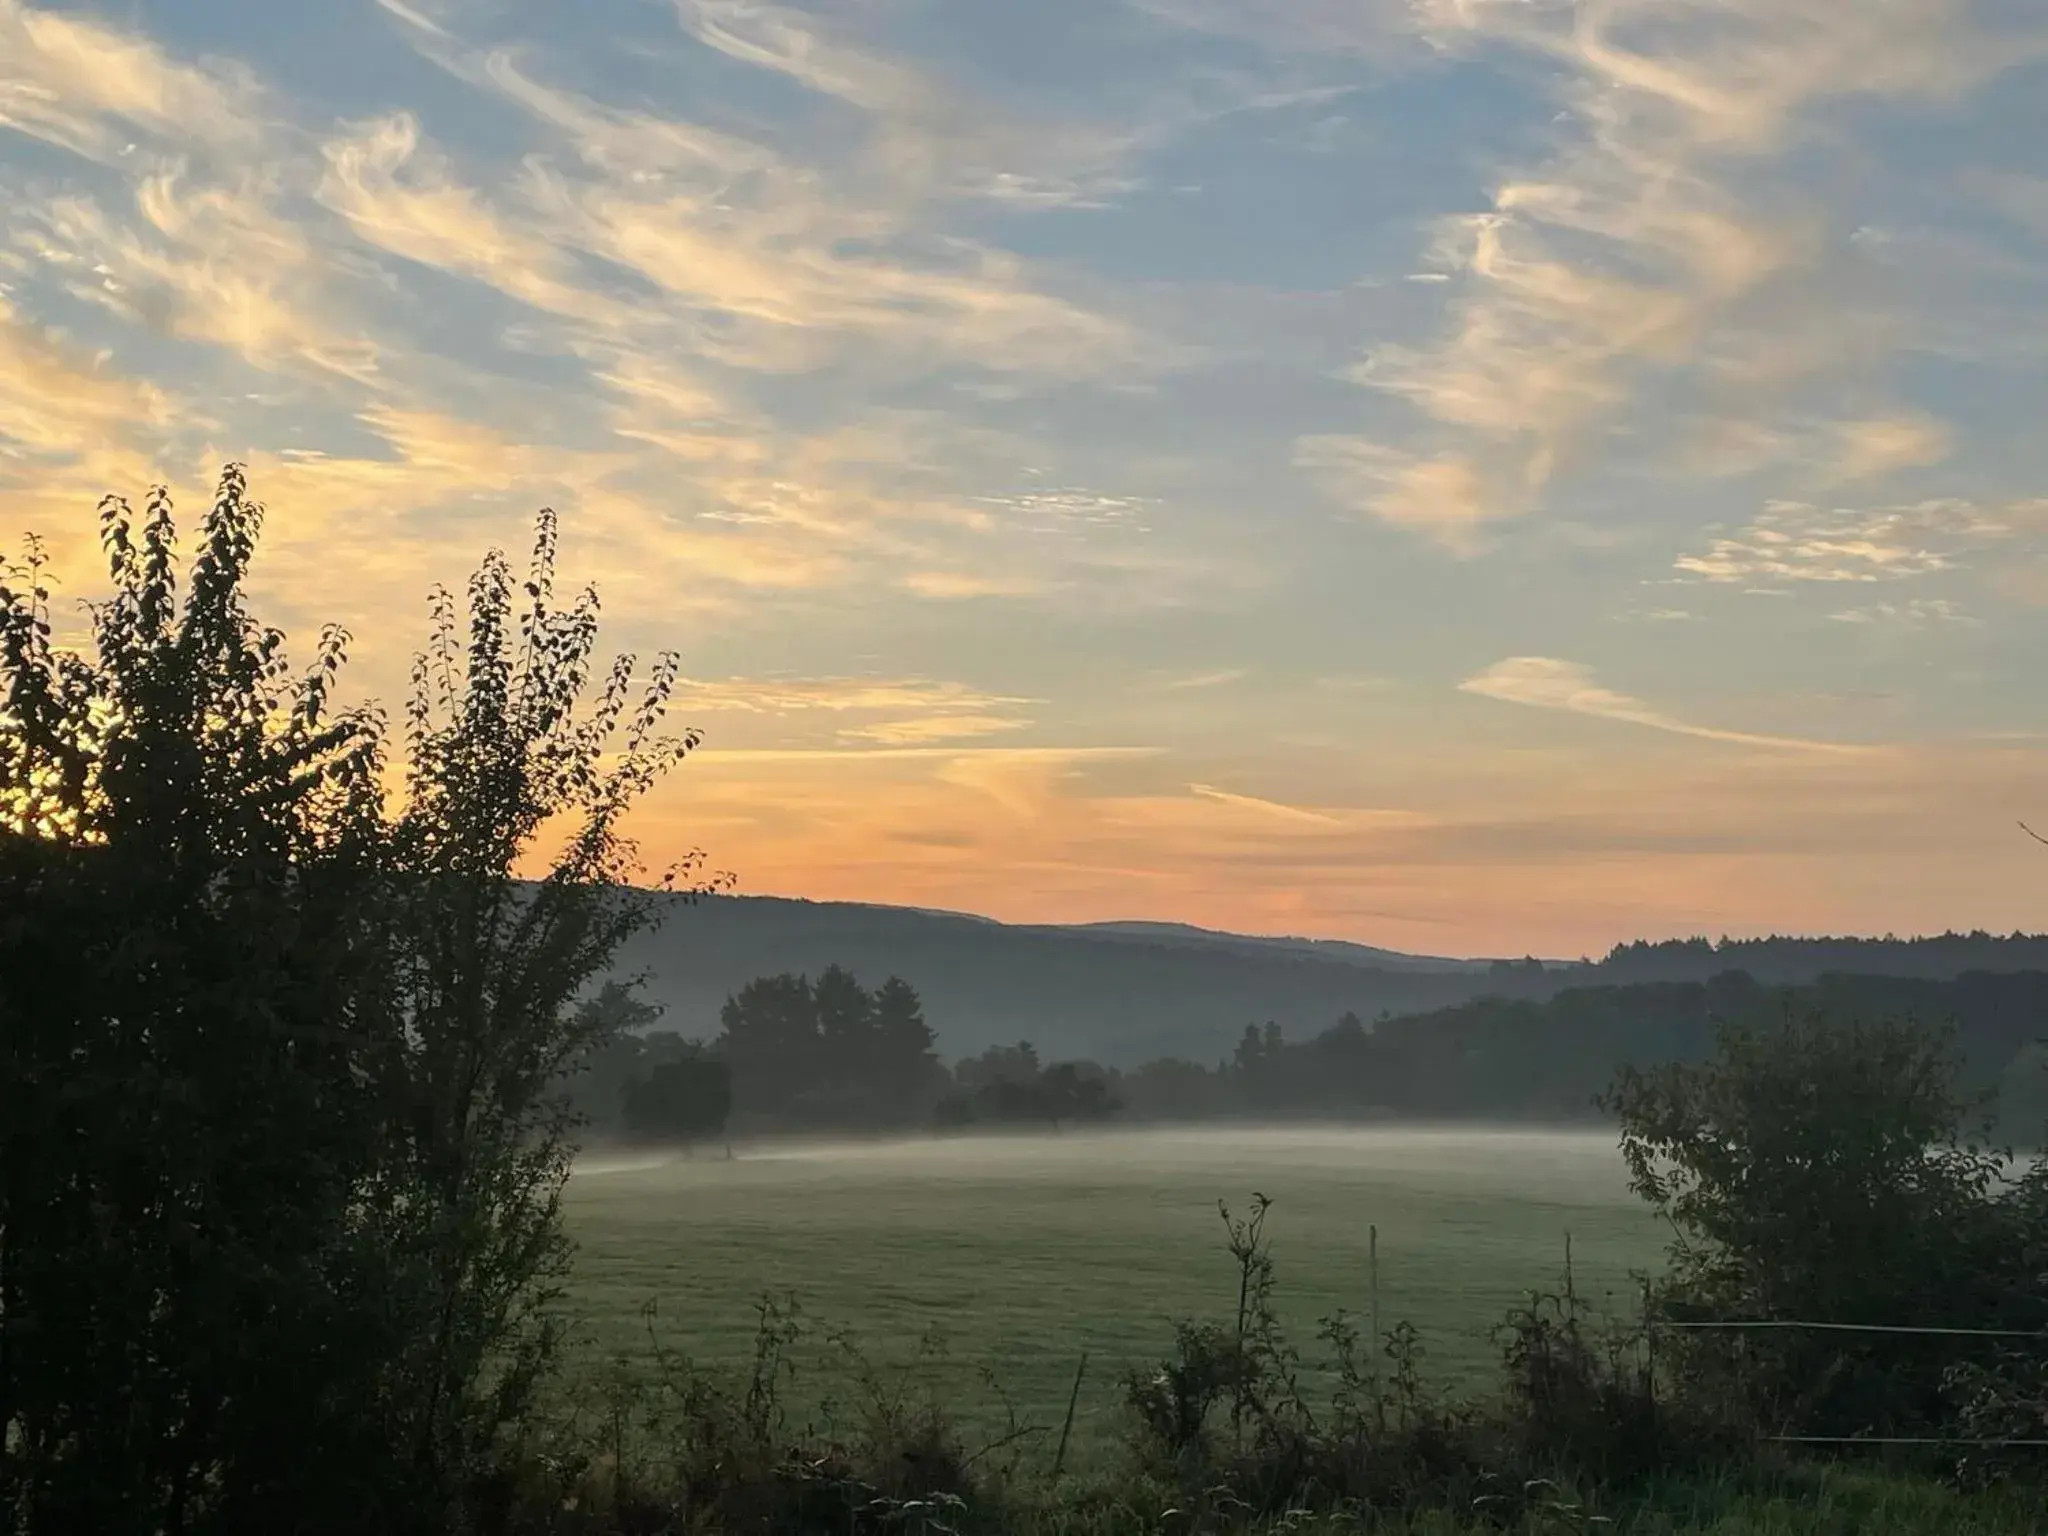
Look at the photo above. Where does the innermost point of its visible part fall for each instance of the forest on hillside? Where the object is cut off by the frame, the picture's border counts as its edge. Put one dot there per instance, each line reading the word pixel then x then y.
pixel 797 1054
pixel 1124 998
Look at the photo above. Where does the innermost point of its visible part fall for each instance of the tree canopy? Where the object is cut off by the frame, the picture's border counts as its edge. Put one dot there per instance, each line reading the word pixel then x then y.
pixel 830 1051
pixel 281 1135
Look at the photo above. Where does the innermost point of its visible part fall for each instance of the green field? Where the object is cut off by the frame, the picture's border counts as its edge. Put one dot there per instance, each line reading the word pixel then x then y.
pixel 1017 1254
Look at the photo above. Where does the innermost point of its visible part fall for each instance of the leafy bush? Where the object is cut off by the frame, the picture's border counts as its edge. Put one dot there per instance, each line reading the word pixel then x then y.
pixel 1826 1172
pixel 1231 1418
pixel 281 1147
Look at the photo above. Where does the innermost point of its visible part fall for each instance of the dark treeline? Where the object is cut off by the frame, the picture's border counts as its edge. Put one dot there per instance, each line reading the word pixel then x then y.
pixel 828 1054
pixel 642 1084
pixel 1128 996
pixel 1797 960
pixel 1008 1085
pixel 1550 1059
pixel 798 1054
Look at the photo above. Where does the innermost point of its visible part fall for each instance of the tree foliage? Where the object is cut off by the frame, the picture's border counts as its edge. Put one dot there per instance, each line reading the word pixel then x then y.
pixel 189 1002
pixel 487 970
pixel 683 1099
pixel 1827 1171
pixel 281 1146
pixel 831 1051
pixel 1006 1084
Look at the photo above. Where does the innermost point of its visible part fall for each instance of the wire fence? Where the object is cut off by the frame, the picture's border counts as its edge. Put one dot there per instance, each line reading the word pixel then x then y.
pixel 1971 1333
pixel 1746 1325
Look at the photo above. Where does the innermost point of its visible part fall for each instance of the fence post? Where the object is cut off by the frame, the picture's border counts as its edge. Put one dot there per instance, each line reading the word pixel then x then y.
pixel 1372 1271
pixel 1059 1459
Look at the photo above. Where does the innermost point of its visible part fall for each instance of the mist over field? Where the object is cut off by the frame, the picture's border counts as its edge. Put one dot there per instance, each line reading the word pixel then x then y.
pixel 1098 768
pixel 1561 1157
pixel 1022 1250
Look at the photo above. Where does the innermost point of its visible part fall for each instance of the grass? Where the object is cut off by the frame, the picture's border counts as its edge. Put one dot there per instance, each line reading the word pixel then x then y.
pixel 1019 1253
pixel 1810 1501
pixel 955 1260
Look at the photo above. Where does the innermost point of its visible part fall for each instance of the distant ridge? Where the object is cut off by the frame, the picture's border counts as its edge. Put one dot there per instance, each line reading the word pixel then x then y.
pixel 1343 949
pixel 1128 992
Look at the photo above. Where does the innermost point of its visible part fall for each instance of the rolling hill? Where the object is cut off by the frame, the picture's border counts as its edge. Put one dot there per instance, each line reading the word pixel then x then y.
pixel 1123 993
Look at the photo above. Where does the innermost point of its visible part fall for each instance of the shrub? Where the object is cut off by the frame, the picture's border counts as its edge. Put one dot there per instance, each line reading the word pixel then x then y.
pixel 281 1142
pixel 1825 1172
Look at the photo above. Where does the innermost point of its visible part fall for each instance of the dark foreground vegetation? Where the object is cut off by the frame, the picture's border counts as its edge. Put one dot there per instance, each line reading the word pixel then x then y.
pixel 282 1145
pixel 1827 1191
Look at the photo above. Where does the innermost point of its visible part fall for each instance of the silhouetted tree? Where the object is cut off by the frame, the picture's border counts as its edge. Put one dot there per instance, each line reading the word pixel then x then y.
pixel 1826 1171
pixel 191 1020
pixel 279 1070
pixel 680 1100
pixel 907 1068
pixel 487 971
pixel 1067 1092
pixel 770 1037
pixel 846 1028
pixel 999 1090
pixel 1169 1089
pixel 619 1053
pixel 830 1052
pixel 1015 1064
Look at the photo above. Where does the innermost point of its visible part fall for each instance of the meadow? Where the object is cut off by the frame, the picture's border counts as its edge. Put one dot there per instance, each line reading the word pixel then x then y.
pixel 983 1266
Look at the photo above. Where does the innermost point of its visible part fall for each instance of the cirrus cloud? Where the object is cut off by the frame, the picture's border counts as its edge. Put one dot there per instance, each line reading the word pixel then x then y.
pixel 1792 541
pixel 1544 682
pixel 1657 254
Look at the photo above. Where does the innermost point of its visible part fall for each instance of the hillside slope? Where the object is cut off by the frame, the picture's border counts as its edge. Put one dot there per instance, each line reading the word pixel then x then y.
pixel 1126 993
pixel 1119 997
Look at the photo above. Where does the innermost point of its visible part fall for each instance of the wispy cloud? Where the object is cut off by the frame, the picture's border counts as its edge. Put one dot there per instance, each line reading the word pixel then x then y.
pixel 201 250
pixel 1543 682
pixel 1641 252
pixel 1065 506
pixel 677 264
pixel 1264 807
pixel 71 427
pixel 959 586
pixel 1298 26
pixel 90 88
pixel 1218 679
pixel 208 261
pixel 730 229
pixel 918 135
pixel 1798 542
pixel 1036 759
pixel 789 42
pixel 780 696
pixel 1918 613
pixel 443 486
pixel 1446 497
pixel 402 196
pixel 1874 448
pixel 54 403
pixel 934 728
pixel 912 712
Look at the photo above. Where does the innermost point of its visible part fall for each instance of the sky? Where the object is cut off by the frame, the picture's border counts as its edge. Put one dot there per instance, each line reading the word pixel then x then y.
pixel 1473 476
